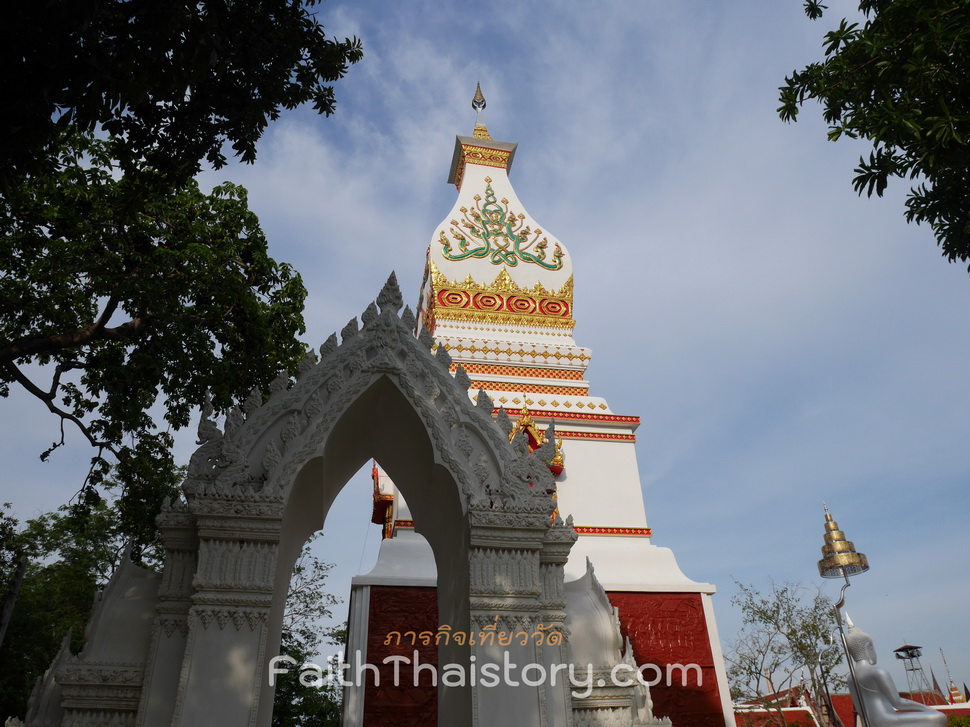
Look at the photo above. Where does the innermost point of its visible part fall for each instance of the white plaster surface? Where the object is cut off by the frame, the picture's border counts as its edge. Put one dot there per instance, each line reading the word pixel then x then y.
pixel 481 269
pixel 404 560
pixel 625 563
pixel 120 627
pixel 600 485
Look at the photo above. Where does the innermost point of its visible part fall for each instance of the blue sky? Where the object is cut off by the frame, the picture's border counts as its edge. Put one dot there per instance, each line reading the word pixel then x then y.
pixel 784 342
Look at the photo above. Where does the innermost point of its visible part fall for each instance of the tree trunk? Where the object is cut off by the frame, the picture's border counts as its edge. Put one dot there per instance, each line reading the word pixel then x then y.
pixel 11 598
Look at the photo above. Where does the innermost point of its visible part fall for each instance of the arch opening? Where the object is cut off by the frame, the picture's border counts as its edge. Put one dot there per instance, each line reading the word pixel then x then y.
pixel 381 424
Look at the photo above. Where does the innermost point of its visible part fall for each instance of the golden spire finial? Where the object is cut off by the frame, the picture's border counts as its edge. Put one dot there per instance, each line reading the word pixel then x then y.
pixel 839 556
pixel 478 103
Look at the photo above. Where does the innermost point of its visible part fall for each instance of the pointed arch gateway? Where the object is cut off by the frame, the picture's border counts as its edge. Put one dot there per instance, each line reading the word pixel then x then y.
pixel 255 492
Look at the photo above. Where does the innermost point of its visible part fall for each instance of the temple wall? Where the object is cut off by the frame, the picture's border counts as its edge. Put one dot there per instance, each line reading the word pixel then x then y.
pixel 664 629
pixel 675 628
pixel 404 609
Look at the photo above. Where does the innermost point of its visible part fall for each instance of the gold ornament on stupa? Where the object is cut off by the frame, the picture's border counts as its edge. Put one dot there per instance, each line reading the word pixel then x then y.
pixel 478 103
pixel 839 556
pixel 525 423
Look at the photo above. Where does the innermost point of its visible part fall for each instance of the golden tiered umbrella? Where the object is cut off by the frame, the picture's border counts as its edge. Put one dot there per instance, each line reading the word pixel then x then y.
pixel 840 559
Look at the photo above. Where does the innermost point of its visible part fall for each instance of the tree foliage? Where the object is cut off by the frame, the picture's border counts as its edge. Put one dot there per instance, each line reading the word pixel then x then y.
pixel 72 553
pixel 122 309
pixel 785 642
pixel 9 551
pixel 900 78
pixel 307 605
pixel 171 82
pixel 121 283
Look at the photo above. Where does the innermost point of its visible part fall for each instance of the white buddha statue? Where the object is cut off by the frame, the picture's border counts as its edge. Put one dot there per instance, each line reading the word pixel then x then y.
pixel 874 689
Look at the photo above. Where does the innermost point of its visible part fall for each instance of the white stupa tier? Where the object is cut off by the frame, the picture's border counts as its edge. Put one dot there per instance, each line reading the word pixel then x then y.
pixel 498 293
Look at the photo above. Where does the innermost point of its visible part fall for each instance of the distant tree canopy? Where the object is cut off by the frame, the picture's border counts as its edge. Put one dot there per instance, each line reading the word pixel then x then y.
pixel 171 82
pixel 72 553
pixel 306 640
pixel 785 642
pixel 900 78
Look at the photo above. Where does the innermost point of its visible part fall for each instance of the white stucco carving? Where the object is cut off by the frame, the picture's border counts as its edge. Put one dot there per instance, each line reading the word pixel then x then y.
pixel 209 622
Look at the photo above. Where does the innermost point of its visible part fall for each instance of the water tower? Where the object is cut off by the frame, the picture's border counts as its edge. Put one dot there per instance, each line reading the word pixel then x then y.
pixel 915 676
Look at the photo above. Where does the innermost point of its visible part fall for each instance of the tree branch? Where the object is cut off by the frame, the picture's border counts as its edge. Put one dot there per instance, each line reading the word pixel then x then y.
pixel 31 346
pixel 48 399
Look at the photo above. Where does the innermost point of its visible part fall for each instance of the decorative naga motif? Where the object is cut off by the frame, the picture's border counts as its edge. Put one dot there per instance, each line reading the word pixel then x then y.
pixel 496 233
pixel 537 438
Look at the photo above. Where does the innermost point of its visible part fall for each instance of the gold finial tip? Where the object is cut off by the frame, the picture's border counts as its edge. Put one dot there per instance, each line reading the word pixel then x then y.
pixel 478 102
pixel 839 556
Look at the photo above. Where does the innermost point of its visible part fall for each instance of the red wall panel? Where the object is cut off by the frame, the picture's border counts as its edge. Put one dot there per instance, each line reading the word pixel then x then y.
pixel 670 628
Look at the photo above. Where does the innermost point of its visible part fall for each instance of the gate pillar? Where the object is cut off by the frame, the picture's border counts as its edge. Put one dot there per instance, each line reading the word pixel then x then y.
pixel 223 674
pixel 517 609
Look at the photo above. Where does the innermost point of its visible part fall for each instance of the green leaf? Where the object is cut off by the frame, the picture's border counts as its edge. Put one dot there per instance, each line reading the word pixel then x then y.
pixel 900 81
